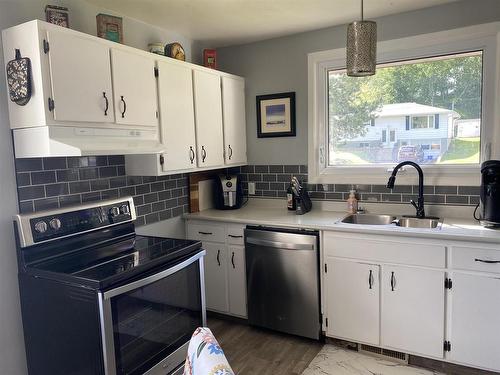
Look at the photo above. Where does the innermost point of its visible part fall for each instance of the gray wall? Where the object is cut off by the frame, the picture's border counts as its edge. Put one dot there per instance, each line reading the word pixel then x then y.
pixel 82 17
pixel 280 65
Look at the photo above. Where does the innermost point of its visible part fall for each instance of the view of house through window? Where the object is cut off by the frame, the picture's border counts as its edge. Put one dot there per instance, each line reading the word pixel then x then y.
pixel 425 110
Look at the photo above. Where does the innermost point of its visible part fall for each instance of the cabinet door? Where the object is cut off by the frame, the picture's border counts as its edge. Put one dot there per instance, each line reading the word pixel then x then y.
pixel 233 107
pixel 352 300
pixel 134 87
pixel 475 320
pixel 237 281
pixel 80 76
pixel 216 277
pixel 175 85
pixel 208 111
pixel 413 310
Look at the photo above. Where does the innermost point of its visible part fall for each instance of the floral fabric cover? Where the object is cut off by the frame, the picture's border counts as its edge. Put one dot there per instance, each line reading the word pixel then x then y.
pixel 205 356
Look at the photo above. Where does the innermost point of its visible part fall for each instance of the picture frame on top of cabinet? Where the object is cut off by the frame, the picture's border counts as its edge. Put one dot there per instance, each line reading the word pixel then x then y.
pixel 110 27
pixel 57 15
pixel 276 115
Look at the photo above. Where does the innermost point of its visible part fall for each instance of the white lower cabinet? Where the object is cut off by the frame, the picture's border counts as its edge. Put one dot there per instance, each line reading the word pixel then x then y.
pixel 475 320
pixel 412 310
pixel 216 277
pixel 225 272
pixel 353 300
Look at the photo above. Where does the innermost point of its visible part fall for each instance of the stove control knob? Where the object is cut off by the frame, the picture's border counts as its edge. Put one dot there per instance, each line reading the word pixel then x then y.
pixel 55 223
pixel 124 209
pixel 114 211
pixel 41 226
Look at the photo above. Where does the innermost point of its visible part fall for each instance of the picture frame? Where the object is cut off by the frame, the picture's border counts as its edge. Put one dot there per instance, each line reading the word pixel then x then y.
pixel 276 115
pixel 110 27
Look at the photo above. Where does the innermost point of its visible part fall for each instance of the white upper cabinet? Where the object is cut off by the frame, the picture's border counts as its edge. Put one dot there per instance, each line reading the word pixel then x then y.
pixel 175 85
pixel 233 108
pixel 208 115
pixel 80 77
pixel 413 310
pixel 134 84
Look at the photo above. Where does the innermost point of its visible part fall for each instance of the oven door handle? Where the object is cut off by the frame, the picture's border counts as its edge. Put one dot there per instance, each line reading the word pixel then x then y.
pixel 153 278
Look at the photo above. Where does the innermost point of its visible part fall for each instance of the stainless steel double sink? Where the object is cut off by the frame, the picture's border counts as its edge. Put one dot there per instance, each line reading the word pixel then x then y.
pixel 405 222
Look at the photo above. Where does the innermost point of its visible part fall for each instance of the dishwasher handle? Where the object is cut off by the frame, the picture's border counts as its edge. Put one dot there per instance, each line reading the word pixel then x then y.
pixel 279 245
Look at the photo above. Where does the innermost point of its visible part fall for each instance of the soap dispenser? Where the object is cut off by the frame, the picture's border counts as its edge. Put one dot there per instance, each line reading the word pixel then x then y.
pixel 352 202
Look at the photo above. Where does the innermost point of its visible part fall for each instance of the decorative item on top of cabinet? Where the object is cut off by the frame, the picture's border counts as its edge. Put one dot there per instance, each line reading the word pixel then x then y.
pixel 57 15
pixel 157 48
pixel 175 51
pixel 276 115
pixel 110 27
pixel 210 58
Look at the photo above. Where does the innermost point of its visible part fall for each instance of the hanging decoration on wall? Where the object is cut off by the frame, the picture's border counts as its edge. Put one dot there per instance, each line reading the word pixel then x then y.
pixel 361 47
pixel 110 27
pixel 57 15
pixel 276 115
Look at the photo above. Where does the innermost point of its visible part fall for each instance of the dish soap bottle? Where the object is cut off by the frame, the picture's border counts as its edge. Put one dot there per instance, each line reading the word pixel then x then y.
pixel 352 202
pixel 290 199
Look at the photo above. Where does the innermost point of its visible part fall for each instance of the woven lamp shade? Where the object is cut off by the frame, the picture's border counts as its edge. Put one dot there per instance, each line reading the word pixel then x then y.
pixel 361 48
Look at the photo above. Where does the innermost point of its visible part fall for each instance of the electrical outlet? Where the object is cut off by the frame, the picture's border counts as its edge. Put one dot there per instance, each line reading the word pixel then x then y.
pixel 251 188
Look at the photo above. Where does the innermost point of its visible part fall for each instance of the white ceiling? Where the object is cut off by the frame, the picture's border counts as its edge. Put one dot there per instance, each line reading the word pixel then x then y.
pixel 225 22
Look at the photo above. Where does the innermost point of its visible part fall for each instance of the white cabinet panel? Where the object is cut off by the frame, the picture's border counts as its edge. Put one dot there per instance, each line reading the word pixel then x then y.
pixel 208 116
pixel 233 107
pixel 175 86
pixel 475 320
pixel 80 76
pixel 353 292
pixel 237 281
pixel 216 277
pixel 413 310
pixel 134 86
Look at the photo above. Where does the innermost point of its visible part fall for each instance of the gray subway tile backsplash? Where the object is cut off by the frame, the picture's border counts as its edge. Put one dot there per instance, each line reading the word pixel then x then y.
pixel 46 183
pixel 278 177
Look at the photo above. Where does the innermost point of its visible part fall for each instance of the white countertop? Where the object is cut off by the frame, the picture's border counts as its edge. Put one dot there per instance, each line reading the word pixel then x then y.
pixel 271 212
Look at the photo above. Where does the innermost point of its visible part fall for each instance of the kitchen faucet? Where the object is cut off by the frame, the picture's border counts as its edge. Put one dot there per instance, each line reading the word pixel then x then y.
pixel 419 206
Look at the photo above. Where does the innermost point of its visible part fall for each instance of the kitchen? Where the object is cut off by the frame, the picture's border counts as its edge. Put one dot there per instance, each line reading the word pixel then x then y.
pixel 286 60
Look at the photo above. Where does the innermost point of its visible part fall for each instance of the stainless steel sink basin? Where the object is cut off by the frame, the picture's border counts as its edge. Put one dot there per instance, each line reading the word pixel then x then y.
pixel 413 222
pixel 368 219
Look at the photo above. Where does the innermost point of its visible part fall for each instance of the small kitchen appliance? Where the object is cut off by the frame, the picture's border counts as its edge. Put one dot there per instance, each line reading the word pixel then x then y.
pixel 228 192
pixel 489 194
pixel 96 298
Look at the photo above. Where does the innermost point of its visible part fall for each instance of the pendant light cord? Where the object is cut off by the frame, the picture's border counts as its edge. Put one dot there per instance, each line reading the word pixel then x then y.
pixel 362 11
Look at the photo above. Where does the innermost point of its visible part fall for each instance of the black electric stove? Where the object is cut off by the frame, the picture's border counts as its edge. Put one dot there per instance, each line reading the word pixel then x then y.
pixel 113 302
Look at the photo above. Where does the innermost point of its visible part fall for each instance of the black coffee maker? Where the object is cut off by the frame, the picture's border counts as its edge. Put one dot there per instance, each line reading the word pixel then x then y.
pixel 490 194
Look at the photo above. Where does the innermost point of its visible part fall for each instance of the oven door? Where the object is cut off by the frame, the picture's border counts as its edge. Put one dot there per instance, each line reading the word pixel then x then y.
pixel 146 325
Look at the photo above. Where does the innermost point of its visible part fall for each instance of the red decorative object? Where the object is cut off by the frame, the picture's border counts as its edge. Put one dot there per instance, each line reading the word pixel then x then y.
pixel 210 58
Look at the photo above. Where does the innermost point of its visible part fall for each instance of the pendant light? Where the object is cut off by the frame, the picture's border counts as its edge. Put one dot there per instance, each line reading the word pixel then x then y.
pixel 361 47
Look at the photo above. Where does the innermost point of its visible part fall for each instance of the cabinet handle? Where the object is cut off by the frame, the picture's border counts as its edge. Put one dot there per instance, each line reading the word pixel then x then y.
pixel 124 106
pixel 218 257
pixel 487 261
pixel 370 279
pixel 191 154
pixel 233 236
pixel 107 103
pixel 205 233
pixel 393 281
pixel 230 152
pixel 203 154
pixel 232 260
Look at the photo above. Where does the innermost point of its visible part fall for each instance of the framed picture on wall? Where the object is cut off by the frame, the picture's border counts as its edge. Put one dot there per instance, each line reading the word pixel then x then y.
pixel 276 115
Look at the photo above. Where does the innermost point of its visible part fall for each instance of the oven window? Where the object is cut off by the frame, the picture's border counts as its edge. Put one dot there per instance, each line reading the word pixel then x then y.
pixel 151 322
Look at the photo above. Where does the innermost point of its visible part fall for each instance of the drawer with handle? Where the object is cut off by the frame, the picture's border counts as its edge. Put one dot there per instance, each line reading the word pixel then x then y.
pixel 205 232
pixel 475 259
pixel 234 234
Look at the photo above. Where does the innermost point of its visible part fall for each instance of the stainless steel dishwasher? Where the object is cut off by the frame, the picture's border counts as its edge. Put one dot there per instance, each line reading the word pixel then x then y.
pixel 283 280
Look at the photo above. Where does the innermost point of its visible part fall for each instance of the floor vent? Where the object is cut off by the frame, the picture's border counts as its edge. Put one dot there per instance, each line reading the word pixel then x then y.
pixel 384 353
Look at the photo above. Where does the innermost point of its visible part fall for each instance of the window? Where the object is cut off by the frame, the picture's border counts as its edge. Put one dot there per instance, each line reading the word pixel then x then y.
pixel 422 122
pixel 438 93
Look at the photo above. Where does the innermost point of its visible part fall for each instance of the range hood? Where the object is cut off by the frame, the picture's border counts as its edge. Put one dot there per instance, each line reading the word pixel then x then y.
pixel 47 141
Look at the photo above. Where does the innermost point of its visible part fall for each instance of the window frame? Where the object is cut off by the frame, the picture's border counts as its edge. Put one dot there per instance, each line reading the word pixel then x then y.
pixel 485 38
pixel 430 123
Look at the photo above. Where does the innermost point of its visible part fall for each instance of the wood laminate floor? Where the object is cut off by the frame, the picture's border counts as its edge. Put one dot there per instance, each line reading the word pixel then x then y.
pixel 252 351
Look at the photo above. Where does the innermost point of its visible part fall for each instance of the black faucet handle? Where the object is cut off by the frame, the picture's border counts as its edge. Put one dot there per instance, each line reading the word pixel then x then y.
pixel 414 204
